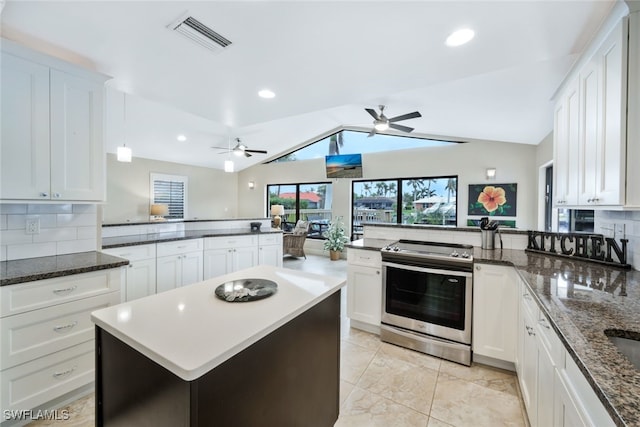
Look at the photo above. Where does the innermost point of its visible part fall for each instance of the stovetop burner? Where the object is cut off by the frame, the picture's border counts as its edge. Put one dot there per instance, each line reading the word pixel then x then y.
pixel 428 250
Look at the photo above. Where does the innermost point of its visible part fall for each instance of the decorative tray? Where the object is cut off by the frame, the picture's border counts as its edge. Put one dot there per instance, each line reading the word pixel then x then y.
pixel 246 290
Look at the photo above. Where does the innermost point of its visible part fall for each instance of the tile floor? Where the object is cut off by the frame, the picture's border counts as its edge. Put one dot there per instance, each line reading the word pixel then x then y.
pixel 385 385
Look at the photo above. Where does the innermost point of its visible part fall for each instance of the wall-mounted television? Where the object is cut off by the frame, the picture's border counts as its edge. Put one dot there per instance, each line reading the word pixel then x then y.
pixel 344 166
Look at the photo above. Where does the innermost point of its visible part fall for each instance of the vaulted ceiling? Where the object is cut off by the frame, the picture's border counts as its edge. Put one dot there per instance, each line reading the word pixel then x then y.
pixel 325 60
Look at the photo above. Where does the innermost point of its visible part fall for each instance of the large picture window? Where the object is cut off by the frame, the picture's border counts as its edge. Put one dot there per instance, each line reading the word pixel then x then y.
pixel 430 200
pixel 308 202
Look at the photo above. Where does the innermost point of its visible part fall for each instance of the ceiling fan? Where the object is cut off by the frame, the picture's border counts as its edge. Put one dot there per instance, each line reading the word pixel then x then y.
pixel 382 123
pixel 240 149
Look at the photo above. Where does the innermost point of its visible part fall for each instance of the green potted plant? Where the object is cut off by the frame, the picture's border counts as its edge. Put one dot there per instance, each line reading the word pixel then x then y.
pixel 336 238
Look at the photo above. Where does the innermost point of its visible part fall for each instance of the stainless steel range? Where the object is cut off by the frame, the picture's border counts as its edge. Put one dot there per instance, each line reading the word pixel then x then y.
pixel 427 298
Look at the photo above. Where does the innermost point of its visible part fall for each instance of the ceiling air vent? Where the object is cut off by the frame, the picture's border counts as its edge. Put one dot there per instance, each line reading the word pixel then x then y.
pixel 198 32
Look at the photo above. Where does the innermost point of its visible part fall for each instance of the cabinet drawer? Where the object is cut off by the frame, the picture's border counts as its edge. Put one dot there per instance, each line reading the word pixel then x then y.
pixel 528 303
pixel 550 340
pixel 230 242
pixel 133 253
pixel 364 258
pixel 34 334
pixel 34 383
pixel 270 239
pixel 29 296
pixel 179 247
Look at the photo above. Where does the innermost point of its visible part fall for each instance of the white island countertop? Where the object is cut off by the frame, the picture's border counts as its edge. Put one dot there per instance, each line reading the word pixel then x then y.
pixel 190 331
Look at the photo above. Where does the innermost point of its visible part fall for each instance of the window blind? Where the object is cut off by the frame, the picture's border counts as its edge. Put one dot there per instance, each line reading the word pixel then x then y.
pixel 170 193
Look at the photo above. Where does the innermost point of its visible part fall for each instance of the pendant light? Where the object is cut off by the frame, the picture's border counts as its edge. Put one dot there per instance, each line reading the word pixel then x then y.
pixel 124 152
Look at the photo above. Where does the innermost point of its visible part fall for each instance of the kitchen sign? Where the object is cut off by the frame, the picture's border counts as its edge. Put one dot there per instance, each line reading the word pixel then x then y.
pixel 589 247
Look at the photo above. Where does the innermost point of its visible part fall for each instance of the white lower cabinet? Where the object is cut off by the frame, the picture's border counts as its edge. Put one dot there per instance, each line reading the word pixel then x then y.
pixel 178 264
pixel 140 276
pixel 364 289
pixel 270 249
pixel 495 312
pixel 554 391
pixel 223 255
pixel 47 337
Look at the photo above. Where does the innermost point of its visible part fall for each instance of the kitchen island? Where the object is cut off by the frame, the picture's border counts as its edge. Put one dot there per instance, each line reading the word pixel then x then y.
pixel 185 357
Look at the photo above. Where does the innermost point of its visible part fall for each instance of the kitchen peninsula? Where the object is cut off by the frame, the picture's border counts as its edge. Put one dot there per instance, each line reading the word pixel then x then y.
pixel 185 357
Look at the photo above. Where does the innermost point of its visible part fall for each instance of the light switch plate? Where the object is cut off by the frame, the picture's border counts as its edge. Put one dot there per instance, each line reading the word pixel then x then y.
pixel 33 226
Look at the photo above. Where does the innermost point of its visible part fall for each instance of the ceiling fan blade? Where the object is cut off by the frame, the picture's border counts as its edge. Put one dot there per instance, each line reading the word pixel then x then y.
pixel 400 127
pixel 221 148
pixel 256 151
pixel 373 132
pixel 373 113
pixel 407 116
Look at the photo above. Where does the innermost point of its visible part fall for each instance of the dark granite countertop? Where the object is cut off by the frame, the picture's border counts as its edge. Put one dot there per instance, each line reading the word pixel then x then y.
pixel 370 244
pixel 581 300
pixel 145 239
pixel 31 269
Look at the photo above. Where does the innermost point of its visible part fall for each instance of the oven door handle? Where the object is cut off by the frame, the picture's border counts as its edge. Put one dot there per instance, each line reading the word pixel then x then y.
pixel 427 270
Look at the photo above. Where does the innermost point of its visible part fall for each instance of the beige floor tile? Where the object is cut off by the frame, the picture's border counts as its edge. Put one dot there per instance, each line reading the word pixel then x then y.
pixel 486 376
pixel 361 338
pixel 462 403
pixel 345 390
pixel 434 422
pixel 414 357
pixel 353 361
pixel 400 381
pixel 81 413
pixel 366 409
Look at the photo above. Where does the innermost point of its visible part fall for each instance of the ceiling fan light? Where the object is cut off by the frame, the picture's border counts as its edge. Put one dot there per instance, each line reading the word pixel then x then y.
pixel 381 126
pixel 228 165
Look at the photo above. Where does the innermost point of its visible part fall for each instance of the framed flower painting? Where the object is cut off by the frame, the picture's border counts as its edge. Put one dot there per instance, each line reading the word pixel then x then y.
pixel 493 199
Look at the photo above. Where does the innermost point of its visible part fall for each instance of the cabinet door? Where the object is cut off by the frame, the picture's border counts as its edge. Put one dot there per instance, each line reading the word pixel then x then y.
pixel 141 279
pixel 566 412
pixel 528 375
pixel 24 114
pixel 364 294
pixel 566 132
pixel 77 157
pixel 495 312
pixel 168 272
pixel 546 375
pixel 217 262
pixel 590 125
pixel 191 268
pixel 610 170
pixel 270 255
pixel 245 257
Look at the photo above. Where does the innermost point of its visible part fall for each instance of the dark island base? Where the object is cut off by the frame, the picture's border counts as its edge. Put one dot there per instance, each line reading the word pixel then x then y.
pixel 291 377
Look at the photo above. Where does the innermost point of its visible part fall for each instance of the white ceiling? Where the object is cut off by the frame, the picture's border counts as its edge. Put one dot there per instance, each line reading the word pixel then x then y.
pixel 326 61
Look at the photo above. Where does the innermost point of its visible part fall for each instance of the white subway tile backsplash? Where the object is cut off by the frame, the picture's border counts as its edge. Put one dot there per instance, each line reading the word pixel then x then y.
pixel 56 234
pixel 74 246
pixel 32 250
pixel 49 208
pixel 76 220
pixel 11 208
pixel 64 228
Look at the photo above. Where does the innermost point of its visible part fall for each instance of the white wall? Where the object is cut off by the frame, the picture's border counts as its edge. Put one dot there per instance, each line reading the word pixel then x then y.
pixel 212 193
pixel 514 163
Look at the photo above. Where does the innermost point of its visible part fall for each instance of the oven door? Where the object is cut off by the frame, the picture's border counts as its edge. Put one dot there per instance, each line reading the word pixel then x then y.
pixel 428 300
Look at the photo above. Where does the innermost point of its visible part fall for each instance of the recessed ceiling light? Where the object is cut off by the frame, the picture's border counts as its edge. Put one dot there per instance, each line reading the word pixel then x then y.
pixel 266 93
pixel 460 37
pixel 181 138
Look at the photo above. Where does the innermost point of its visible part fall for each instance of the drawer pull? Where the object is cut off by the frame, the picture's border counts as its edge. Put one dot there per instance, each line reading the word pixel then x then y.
pixel 543 322
pixel 65 290
pixel 60 375
pixel 526 296
pixel 182 247
pixel 65 328
pixel 530 331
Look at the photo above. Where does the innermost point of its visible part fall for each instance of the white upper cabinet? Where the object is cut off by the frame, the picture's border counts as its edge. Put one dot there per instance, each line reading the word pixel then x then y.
pixel 51 114
pixel 590 140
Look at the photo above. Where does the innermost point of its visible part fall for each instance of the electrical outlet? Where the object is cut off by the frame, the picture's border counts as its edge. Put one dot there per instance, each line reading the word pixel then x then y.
pixel 33 226
pixel 619 231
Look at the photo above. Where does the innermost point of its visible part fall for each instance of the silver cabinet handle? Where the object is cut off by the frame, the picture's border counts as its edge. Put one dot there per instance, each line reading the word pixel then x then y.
pixel 57 195
pixel 530 331
pixel 65 290
pixel 43 194
pixel 58 375
pixel 543 322
pixel 478 268
pixel 66 327
pixel 377 271
pixel 182 247
pixel 526 296
pixel 130 265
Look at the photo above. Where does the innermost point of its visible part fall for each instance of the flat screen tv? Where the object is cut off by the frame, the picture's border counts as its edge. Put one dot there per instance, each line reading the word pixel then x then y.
pixel 344 166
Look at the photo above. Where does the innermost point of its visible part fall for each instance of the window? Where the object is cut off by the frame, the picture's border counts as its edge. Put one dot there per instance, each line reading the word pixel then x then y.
pixel 170 190
pixel 429 200
pixel 307 202
pixel 352 142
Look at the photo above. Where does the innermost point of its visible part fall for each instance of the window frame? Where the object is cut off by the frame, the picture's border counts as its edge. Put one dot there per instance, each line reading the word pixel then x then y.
pixel 399 198
pixel 155 176
pixel 297 202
